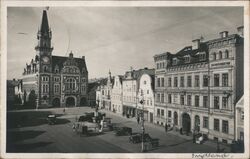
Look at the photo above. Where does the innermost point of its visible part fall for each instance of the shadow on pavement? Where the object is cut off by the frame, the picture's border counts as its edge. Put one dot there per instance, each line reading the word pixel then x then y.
pixel 14 136
pixel 25 147
pixel 26 119
pixel 62 121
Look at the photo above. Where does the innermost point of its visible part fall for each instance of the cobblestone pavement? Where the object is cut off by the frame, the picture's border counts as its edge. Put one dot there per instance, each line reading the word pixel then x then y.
pixel 33 134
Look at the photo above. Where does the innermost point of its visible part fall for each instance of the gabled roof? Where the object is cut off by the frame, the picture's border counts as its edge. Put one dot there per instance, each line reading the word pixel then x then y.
pixel 59 60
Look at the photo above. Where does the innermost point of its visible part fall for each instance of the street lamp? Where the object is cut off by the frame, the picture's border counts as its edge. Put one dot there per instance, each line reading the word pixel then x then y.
pixel 142 115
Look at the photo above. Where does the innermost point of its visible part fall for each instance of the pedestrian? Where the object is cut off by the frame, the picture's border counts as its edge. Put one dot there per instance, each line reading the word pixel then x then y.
pixel 166 127
pixel 181 131
pixel 63 110
pixel 138 119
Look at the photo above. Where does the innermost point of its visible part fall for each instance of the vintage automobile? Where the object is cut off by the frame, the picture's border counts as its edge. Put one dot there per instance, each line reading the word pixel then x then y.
pixel 137 138
pixel 51 119
pixel 122 131
pixel 84 118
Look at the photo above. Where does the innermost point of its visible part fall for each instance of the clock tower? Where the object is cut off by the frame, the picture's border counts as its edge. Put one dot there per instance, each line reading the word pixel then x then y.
pixel 44 59
pixel 43 48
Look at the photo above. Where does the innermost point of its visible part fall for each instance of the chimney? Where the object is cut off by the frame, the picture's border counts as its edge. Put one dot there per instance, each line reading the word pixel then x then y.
pixel 224 34
pixel 83 57
pixel 196 44
pixel 240 30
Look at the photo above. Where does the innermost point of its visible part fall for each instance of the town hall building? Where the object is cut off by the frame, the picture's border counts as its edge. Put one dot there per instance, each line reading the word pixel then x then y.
pixel 54 81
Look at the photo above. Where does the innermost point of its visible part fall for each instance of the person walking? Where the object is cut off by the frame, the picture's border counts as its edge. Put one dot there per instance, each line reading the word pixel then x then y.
pixel 166 128
pixel 138 119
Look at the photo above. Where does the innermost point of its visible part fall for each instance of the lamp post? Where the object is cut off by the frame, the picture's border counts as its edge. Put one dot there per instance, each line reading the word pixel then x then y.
pixel 143 128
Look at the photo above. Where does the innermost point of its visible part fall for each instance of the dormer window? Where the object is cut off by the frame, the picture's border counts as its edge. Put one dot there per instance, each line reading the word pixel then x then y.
pixel 202 56
pixel 175 61
pixel 187 59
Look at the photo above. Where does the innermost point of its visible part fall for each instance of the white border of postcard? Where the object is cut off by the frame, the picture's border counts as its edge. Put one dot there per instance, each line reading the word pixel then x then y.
pixel 5 4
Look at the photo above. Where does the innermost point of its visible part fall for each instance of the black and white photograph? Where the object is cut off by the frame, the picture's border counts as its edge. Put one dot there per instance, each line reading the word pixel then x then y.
pixel 125 80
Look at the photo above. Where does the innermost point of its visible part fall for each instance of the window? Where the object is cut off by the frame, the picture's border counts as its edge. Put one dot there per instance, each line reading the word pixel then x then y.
pixel 197 101
pixel 205 122
pixel 225 126
pixel 187 59
pixel 158 97
pixel 162 98
pixel 224 102
pixel 197 80
pixel 182 81
pixel 176 82
pixel 216 102
pixel 147 91
pixel 56 88
pixel 242 115
pixel 158 112
pixel 205 80
pixel 189 99
pixel 202 56
pixel 225 79
pixel 216 124
pixel 226 54
pixel 205 101
pixel 158 82
pixel 169 82
pixel 216 80
pixel 169 98
pixel 145 82
pixel 175 61
pixel 220 55
pixel 162 82
pixel 70 84
pixel 182 100
pixel 158 66
pixel 175 98
pixel 214 56
pixel 162 112
pixel 189 81
pixel 169 114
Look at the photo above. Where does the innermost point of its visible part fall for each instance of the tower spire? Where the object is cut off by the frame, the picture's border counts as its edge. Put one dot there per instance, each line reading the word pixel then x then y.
pixel 45 24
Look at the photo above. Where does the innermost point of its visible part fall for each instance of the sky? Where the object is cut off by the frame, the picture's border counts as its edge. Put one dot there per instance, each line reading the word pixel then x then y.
pixel 114 38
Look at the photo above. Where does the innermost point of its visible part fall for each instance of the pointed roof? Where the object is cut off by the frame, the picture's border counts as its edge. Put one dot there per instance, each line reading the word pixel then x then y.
pixel 45 23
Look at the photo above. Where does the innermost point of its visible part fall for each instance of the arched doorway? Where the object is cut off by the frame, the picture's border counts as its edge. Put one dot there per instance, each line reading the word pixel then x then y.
pixel 56 102
pixel 83 101
pixel 175 118
pixel 70 102
pixel 197 123
pixel 186 123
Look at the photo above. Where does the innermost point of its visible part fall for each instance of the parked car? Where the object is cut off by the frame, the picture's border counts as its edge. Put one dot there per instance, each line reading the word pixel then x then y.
pixel 120 131
pixel 51 119
pixel 137 138
pixel 84 118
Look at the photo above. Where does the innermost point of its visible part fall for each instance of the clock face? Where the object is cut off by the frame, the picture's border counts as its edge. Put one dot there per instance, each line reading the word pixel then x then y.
pixel 45 59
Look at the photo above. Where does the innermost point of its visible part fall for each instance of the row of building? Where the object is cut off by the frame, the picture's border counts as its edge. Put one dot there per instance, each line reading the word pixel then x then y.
pixel 195 89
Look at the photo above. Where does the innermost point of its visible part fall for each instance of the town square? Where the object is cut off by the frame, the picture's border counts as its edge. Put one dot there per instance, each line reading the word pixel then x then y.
pixel 125 80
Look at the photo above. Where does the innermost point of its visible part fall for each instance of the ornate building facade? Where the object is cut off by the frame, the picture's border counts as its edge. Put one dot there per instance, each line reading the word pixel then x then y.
pixel 55 80
pixel 116 95
pixel 197 88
